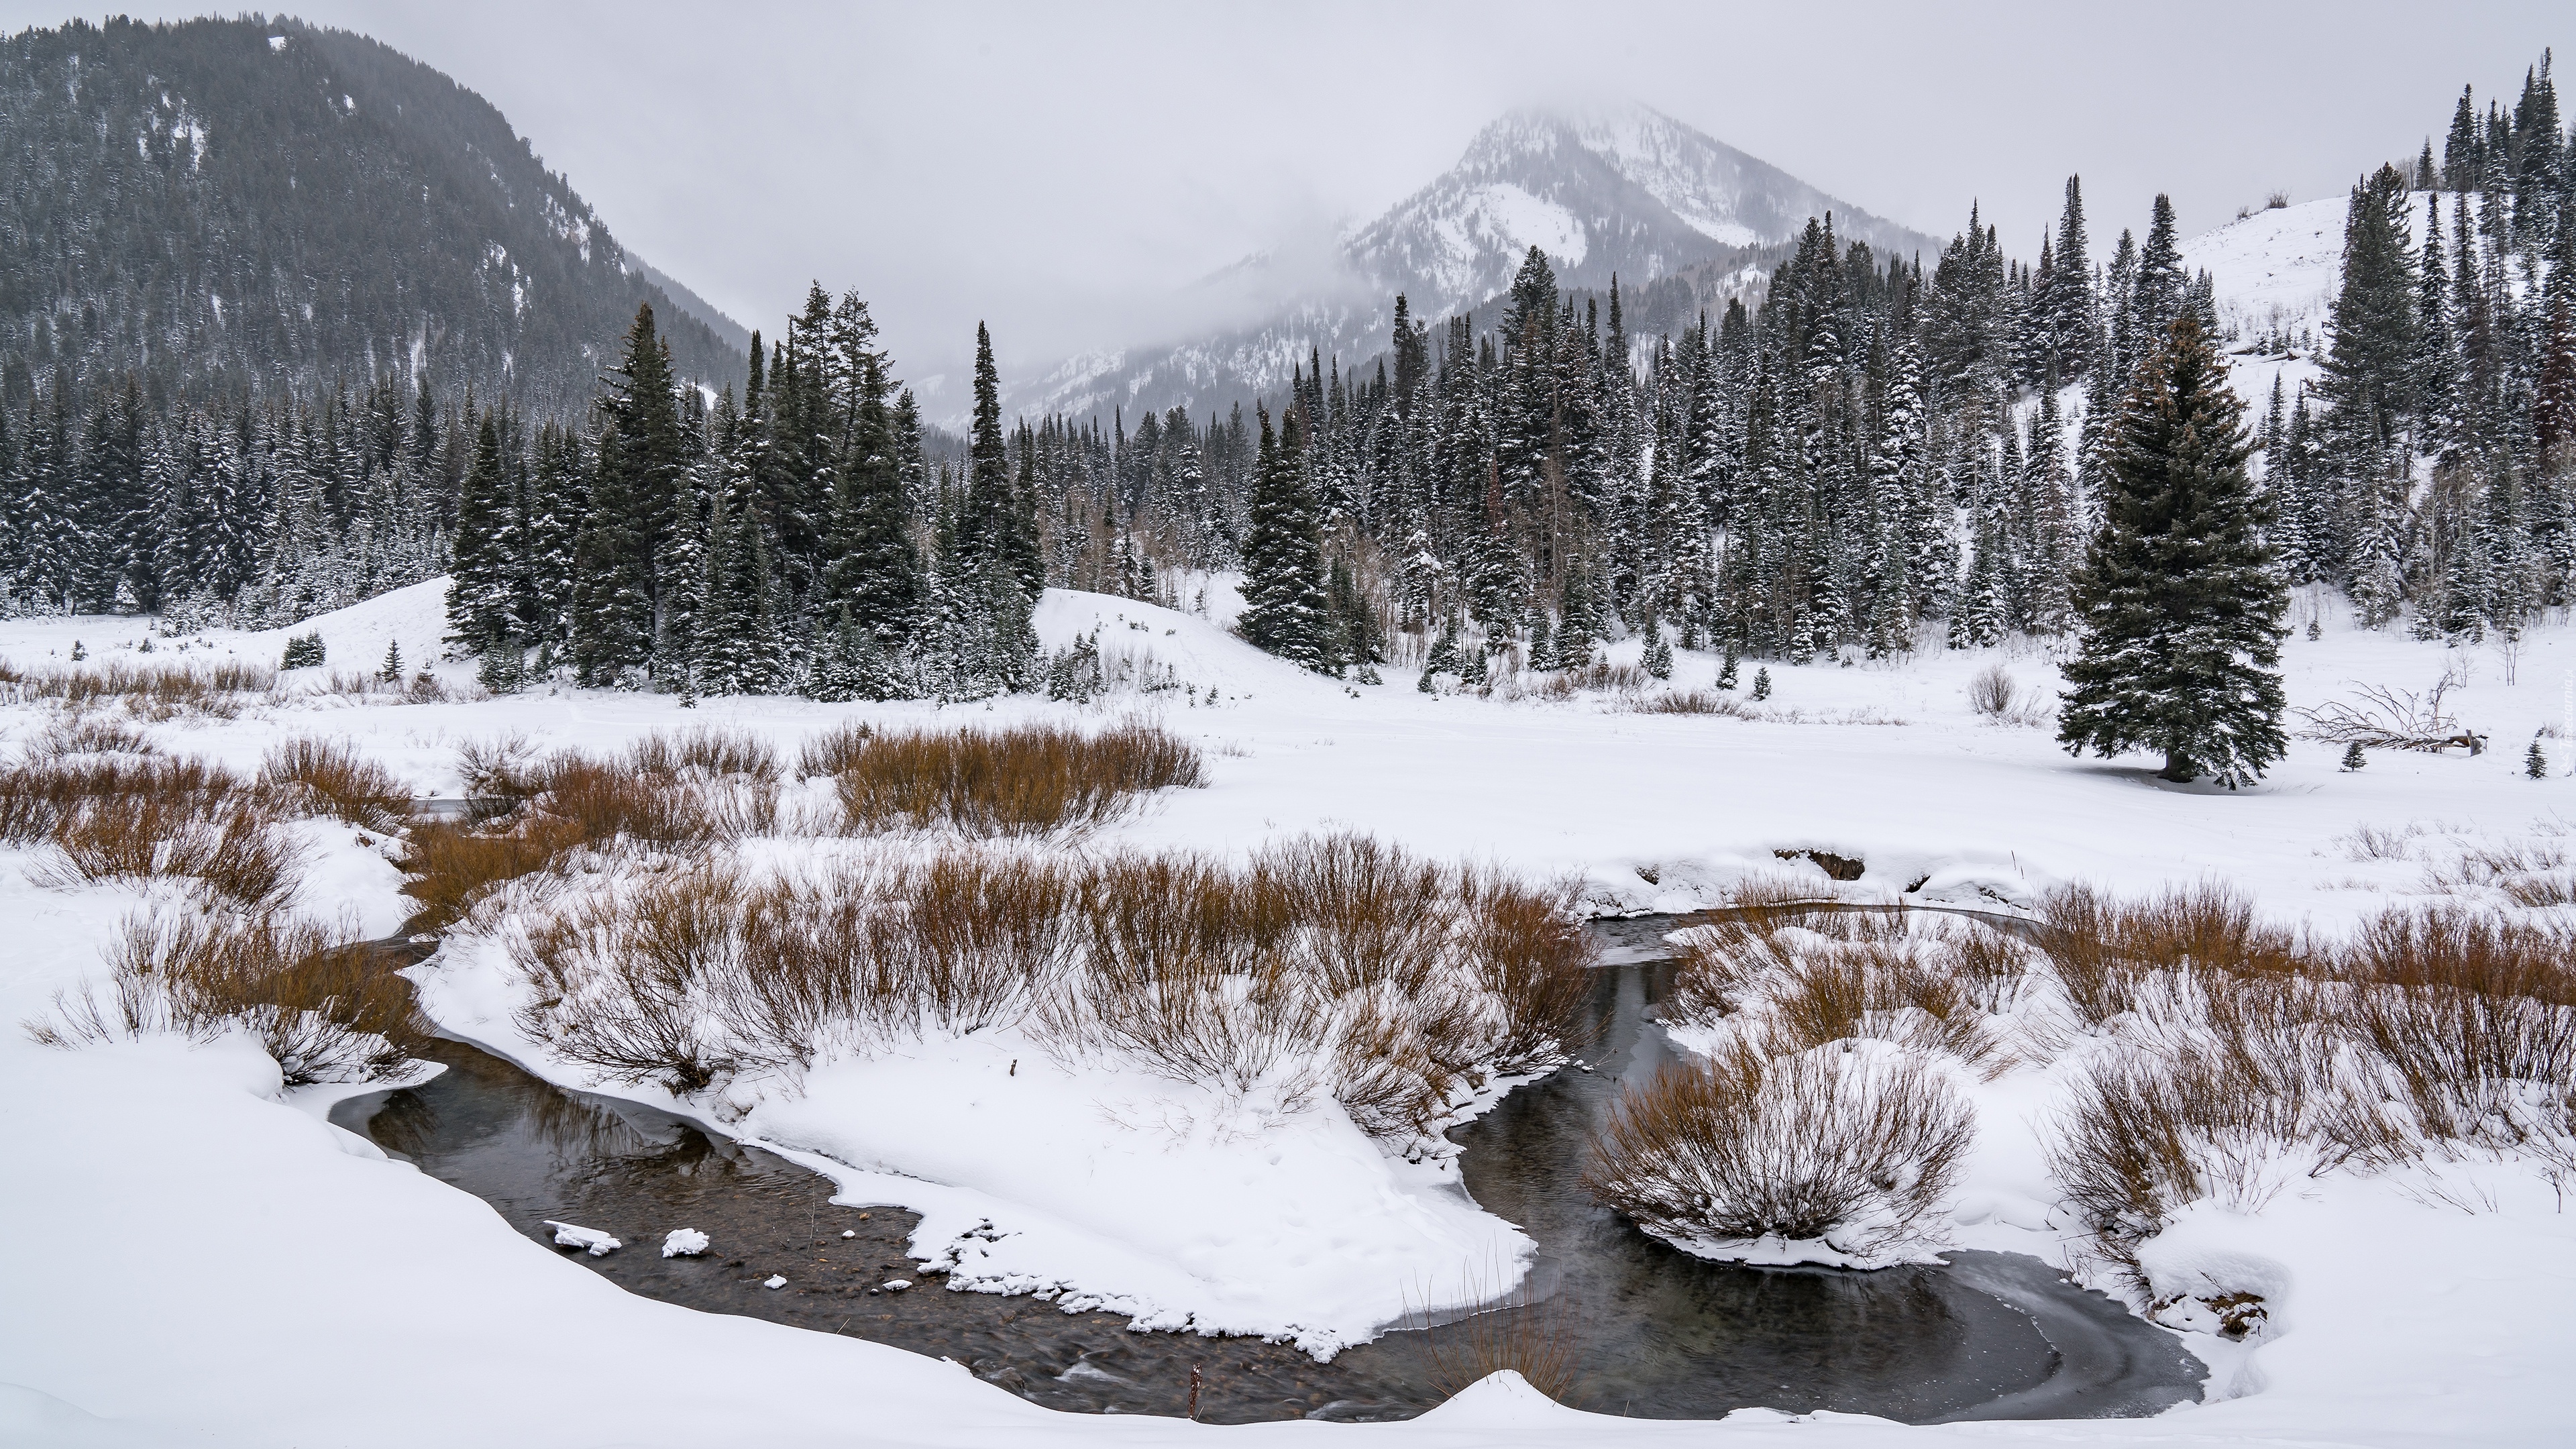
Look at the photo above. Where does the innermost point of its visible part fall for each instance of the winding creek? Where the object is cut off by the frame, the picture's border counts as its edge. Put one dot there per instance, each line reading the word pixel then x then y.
pixel 1645 1330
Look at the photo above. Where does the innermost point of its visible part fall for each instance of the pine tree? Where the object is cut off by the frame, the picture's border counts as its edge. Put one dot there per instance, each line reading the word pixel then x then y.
pixel 482 590
pixel 873 570
pixel 2535 763
pixel 2370 361
pixel 2181 603
pixel 2353 758
pixel 1761 684
pixel 1284 608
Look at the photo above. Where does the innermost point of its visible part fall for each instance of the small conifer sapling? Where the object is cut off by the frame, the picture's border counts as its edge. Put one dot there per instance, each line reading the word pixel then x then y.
pixel 2535 761
pixel 391 671
pixel 1762 683
pixel 1726 669
pixel 2353 758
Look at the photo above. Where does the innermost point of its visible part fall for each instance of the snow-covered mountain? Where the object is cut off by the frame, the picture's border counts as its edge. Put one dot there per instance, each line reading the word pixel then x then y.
pixel 1629 192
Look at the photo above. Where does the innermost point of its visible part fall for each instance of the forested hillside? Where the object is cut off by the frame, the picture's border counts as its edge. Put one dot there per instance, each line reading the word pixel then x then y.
pixel 218 209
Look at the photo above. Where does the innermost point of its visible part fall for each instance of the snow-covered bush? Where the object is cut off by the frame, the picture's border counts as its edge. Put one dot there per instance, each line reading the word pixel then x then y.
pixel 1836 1155
pixel 1337 967
pixel 1784 978
pixel 316 1003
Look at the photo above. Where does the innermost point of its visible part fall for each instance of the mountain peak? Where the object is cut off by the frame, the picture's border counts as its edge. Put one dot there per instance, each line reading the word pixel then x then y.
pixel 1622 189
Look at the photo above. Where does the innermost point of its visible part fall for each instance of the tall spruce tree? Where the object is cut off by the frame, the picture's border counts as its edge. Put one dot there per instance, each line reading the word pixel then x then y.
pixel 2180 599
pixel 483 587
pixel 1284 607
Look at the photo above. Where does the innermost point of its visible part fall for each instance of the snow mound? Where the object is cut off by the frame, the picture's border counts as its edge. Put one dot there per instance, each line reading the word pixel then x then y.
pixel 1155 639
pixel 683 1243
pixel 354 638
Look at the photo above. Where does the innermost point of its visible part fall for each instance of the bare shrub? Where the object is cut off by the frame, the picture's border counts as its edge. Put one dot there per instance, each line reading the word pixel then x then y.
pixel 319 1005
pixel 705 751
pixel 38 796
pixel 231 846
pixel 88 734
pixel 1695 701
pixel 2099 947
pixel 614 979
pixel 343 782
pixel 2383 717
pixel 153 691
pixel 835 751
pixel 1842 975
pixel 1990 691
pixel 980 938
pixel 501 768
pixel 1534 960
pixel 1848 1148
pixel 2449 948
pixel 453 866
pixel 1592 678
pixel 2147 1133
pixel 1339 967
pixel 1028 780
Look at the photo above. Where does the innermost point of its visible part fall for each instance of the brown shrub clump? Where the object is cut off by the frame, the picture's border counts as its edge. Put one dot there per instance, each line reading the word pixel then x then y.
pixel 1848 1148
pixel 1027 780
pixel 2099 948
pixel 333 775
pixel 154 691
pixel 1901 975
pixel 1341 967
pixel 321 1006
pixel 232 847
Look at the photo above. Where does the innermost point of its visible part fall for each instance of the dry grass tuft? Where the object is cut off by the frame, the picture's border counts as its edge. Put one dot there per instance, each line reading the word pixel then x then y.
pixel 322 1007
pixel 1028 780
pixel 1848 1148
pixel 1533 1339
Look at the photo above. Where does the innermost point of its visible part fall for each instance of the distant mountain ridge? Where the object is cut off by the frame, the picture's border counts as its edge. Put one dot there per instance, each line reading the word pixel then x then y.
pixel 220 204
pixel 1627 191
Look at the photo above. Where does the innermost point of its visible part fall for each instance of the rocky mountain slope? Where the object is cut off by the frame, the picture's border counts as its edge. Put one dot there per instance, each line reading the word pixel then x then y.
pixel 215 203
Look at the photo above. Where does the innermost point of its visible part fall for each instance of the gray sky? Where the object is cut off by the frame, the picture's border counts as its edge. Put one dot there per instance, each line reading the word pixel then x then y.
pixel 1061 170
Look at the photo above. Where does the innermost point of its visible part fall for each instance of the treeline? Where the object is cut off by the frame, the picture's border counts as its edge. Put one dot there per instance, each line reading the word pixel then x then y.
pixel 2432 468
pixel 249 514
pixel 788 538
pixel 1884 455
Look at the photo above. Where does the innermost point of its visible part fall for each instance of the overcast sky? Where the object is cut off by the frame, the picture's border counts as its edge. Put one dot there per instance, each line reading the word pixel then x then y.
pixel 1060 170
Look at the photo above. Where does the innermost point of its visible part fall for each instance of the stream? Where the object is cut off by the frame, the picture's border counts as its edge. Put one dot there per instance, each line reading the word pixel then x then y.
pixel 1638 1327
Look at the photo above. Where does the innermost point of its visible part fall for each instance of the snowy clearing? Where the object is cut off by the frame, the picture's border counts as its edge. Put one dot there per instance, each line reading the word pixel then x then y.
pixel 2398 1314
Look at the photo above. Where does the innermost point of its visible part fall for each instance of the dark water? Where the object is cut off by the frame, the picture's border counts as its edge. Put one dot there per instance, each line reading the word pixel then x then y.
pixel 1622 1323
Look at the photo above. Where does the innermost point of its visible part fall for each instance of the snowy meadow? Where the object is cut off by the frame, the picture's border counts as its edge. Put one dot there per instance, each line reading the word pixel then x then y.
pixel 1163 1011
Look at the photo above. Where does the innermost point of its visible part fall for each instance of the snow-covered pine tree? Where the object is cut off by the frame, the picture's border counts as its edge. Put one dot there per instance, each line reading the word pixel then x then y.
pixel 2181 601
pixel 482 592
pixel 1285 610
